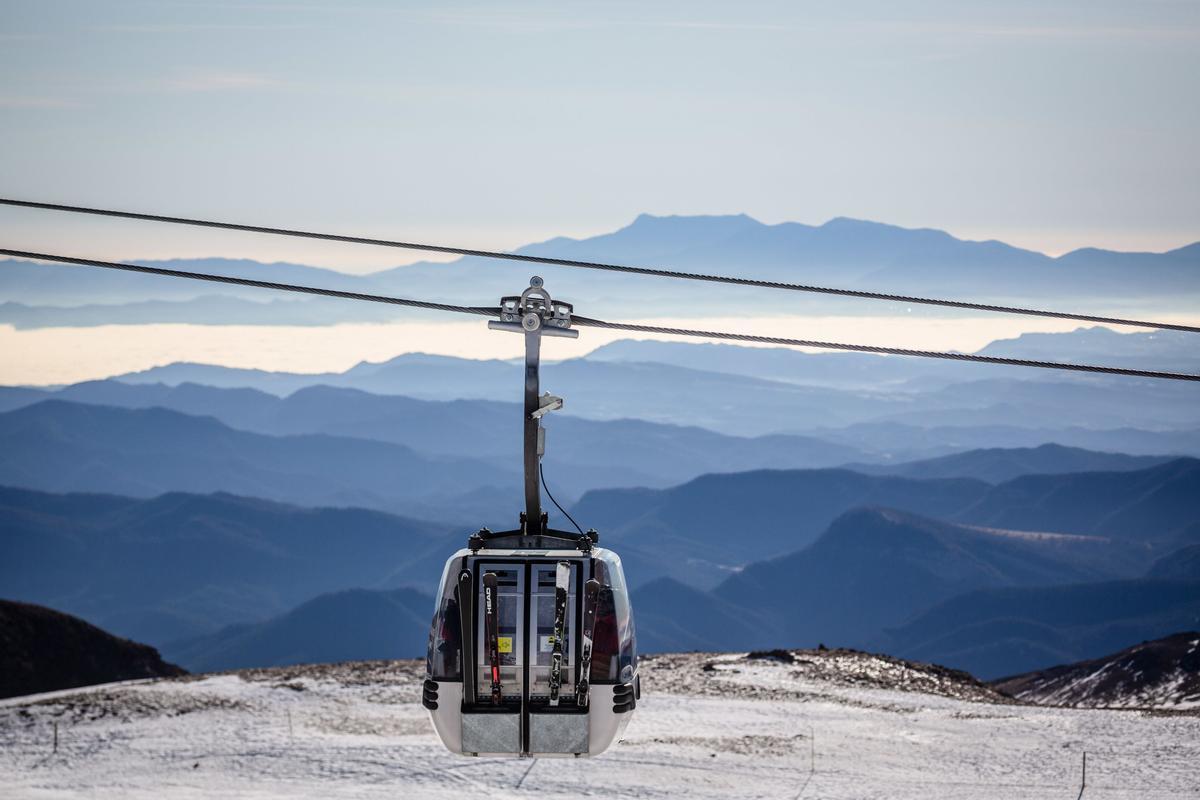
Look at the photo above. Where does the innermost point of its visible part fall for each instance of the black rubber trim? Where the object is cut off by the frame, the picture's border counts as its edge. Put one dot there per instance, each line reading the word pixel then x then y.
pixel 530 647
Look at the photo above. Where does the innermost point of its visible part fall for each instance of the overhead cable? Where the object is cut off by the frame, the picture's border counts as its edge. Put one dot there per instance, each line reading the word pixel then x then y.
pixel 596 323
pixel 623 268
pixel 868 348
pixel 283 287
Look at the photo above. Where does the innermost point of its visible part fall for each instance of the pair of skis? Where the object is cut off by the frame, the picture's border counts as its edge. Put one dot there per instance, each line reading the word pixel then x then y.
pixel 491 631
pixel 591 592
pixel 491 634
pixel 562 585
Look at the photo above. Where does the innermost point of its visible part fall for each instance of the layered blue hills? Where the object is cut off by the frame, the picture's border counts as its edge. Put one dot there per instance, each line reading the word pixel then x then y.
pixel 841 252
pixel 829 396
pixel 244 518
pixel 183 565
pixel 218 582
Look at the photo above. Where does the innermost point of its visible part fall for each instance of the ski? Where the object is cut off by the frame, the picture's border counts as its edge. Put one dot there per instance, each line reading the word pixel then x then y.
pixel 492 631
pixel 562 583
pixel 466 628
pixel 591 592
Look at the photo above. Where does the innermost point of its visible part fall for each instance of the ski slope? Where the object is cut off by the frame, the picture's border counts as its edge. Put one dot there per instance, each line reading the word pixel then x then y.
pixel 820 725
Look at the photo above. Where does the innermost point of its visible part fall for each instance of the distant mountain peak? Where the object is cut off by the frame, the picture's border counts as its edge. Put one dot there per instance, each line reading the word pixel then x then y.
pixel 1163 673
pixel 46 650
pixel 855 222
pixel 692 219
pixel 1188 250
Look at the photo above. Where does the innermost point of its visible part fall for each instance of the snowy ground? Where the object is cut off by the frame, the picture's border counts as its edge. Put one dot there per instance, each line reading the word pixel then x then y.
pixel 823 726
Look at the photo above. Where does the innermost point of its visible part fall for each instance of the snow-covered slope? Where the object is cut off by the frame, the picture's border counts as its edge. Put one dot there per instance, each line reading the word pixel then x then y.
pixel 1164 674
pixel 804 724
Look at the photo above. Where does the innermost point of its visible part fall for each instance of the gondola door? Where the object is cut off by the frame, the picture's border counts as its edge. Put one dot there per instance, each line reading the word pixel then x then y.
pixel 509 634
pixel 555 724
pixel 541 647
pixel 525 609
pixel 494 723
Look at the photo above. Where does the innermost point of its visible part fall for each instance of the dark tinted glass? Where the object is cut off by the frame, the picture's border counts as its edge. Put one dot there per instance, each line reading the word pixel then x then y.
pixel 443 658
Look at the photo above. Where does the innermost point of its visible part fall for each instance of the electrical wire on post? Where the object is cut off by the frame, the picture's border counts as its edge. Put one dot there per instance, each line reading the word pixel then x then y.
pixel 563 511
pixel 595 265
pixel 617 326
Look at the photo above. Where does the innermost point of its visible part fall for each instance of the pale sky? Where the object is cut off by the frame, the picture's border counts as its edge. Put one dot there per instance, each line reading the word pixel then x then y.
pixel 1050 125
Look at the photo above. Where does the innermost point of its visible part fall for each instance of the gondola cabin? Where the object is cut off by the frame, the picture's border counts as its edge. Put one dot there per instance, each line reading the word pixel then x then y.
pixel 532 650
pixel 505 682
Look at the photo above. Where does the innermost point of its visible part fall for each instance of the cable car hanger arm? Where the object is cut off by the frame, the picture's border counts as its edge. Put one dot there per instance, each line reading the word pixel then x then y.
pixel 533 314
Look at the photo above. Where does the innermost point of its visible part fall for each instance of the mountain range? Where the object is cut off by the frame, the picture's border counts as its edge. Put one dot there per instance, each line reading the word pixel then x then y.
pixel 42 650
pixel 353 447
pixel 989 601
pixel 842 252
pixel 1168 350
pixel 1181 565
pixel 1005 631
pixel 353 625
pixel 793 392
pixel 178 569
pixel 1158 504
pixel 787 510
pixel 61 446
pixel 994 519
pixel 1163 673
pixel 873 568
pixel 908 413
pixel 184 565
pixel 582 453
pixel 999 464
pixel 56 445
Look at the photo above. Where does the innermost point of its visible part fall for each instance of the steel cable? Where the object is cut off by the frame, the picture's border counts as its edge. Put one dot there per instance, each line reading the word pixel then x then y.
pixel 596 323
pixel 893 351
pixel 283 287
pixel 624 268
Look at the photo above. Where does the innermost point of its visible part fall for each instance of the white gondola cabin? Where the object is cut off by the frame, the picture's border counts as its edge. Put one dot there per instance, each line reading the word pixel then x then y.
pixel 595 696
pixel 532 650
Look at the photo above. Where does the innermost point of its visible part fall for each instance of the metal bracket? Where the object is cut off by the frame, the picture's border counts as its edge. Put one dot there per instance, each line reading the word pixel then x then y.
pixel 534 310
pixel 547 404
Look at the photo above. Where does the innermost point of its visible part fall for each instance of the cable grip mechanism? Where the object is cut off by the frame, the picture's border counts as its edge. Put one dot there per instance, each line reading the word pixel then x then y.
pixel 534 310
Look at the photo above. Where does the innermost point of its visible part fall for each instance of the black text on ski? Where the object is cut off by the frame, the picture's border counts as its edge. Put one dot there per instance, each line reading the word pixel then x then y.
pixel 491 632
